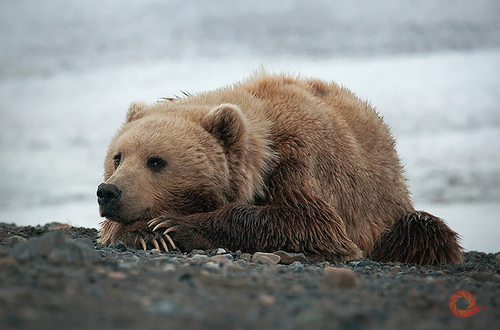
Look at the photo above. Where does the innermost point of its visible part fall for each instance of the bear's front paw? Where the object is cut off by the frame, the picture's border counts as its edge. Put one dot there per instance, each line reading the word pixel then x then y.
pixel 156 239
pixel 145 238
pixel 136 235
pixel 164 222
pixel 181 230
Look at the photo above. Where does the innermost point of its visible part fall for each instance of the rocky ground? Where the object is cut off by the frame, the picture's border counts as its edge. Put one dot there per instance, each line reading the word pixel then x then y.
pixel 58 277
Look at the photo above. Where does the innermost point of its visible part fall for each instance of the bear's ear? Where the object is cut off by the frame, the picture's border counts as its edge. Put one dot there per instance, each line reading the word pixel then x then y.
pixel 136 111
pixel 226 123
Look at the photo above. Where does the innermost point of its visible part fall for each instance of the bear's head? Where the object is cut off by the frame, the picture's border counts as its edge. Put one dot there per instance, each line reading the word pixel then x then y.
pixel 171 161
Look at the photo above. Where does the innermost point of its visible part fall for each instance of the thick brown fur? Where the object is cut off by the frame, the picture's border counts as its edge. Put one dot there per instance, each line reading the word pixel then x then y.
pixel 272 163
pixel 421 229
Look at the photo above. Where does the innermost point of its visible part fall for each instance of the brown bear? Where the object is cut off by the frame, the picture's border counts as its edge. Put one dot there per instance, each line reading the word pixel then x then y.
pixel 274 162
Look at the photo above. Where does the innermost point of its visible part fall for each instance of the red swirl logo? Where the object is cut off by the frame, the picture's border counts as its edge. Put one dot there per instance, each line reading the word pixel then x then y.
pixel 471 309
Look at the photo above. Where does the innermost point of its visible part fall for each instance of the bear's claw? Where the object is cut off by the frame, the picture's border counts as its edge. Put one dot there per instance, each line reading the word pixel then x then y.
pixel 158 223
pixel 143 243
pixel 174 228
pixel 169 240
pixel 165 246
pixel 155 243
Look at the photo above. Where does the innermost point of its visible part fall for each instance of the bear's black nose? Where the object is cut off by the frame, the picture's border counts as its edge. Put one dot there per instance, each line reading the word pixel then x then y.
pixel 108 194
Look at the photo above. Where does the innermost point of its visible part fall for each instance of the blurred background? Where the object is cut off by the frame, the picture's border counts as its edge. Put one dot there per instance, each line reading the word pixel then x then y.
pixel 69 69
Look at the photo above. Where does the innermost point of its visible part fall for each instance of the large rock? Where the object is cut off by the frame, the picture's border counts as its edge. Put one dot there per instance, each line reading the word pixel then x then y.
pixel 54 247
pixel 266 258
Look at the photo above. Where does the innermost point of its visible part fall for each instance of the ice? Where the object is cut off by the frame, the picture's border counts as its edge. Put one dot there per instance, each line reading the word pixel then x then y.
pixel 68 73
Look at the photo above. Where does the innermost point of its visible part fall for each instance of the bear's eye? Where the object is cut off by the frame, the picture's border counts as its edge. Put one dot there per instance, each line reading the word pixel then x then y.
pixel 156 163
pixel 116 160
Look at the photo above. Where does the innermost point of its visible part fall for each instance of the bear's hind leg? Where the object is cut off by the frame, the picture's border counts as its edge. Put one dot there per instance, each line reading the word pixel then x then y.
pixel 420 238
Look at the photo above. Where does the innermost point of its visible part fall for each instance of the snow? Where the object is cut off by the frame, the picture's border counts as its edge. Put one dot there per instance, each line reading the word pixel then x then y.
pixel 63 101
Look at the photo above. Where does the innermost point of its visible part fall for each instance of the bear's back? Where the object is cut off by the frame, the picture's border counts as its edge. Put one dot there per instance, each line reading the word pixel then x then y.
pixel 346 147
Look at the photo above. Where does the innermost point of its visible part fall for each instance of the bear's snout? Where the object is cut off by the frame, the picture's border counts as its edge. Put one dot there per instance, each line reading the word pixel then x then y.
pixel 107 196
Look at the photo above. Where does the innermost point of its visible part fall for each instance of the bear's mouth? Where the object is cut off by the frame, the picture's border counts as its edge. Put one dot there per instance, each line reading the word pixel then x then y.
pixel 112 214
pixel 116 214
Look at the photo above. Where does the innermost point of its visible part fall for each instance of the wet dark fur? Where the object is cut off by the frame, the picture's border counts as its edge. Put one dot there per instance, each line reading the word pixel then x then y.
pixel 419 238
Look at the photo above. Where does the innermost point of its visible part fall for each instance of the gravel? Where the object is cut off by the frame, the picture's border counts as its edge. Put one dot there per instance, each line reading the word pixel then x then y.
pixel 59 277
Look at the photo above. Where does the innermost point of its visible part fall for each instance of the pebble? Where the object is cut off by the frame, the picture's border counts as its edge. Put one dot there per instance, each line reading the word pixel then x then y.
pixel 124 264
pixel 287 258
pixel 266 299
pixel 199 258
pixel 361 270
pixel 212 266
pixel 169 268
pixel 221 251
pixel 229 256
pixel 297 265
pixel 232 266
pixel 117 275
pixel 246 256
pixel 220 259
pixel 266 258
pixel 469 265
pixel 55 247
pixel 368 263
pixel 13 240
pixel 120 246
pixel 340 277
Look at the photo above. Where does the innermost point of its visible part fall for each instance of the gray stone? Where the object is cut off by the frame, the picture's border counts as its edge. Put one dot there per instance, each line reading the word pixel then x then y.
pixel 13 240
pixel 155 252
pixel 287 257
pixel 266 258
pixel 340 277
pixel 368 263
pixel 54 247
pixel 297 265
pixel 199 258
pixel 120 246
pixel 231 266
pixel 220 258
pixel 229 256
pixel 246 256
